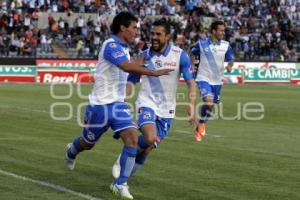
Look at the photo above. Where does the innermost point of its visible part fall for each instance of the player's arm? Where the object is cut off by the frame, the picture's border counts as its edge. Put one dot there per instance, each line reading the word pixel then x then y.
pixel 195 56
pixel 229 57
pixel 187 72
pixel 131 81
pixel 114 54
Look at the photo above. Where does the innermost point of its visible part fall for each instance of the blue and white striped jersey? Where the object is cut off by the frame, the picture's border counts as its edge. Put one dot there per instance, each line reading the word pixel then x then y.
pixel 110 80
pixel 159 93
pixel 212 57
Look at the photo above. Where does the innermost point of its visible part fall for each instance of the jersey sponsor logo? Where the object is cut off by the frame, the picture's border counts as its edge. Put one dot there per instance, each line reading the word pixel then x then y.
pixel 112 45
pixel 176 51
pixel 170 64
pixel 118 54
pixel 215 50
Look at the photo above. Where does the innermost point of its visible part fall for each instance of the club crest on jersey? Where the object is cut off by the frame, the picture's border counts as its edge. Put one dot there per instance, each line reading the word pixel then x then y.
pixel 146 115
pixel 91 135
pixel 158 64
pixel 112 45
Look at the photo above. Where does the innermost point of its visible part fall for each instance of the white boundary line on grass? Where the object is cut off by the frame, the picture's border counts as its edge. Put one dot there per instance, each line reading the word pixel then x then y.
pixel 25 109
pixel 49 185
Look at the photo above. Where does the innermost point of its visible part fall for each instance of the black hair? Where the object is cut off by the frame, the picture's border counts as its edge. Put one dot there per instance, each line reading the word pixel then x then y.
pixel 123 18
pixel 215 24
pixel 164 23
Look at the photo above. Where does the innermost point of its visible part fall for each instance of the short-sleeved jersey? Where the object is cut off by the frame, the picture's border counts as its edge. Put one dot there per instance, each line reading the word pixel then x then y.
pixel 159 93
pixel 212 57
pixel 110 80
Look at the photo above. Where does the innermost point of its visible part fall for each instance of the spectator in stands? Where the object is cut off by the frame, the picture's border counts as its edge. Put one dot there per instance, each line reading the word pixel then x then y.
pixel 80 47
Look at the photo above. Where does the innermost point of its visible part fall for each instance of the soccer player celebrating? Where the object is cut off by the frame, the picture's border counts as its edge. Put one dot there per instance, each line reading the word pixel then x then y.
pixel 156 102
pixel 213 51
pixel 107 108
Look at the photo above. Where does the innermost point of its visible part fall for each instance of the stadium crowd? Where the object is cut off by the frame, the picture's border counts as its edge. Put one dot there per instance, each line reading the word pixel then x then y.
pixel 256 29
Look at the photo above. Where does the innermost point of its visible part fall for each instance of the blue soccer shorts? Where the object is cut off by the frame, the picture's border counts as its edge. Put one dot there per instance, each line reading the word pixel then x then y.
pixel 147 116
pixel 99 118
pixel 210 90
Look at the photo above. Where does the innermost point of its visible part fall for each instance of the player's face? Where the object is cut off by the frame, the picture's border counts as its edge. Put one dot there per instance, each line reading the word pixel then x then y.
pixel 130 32
pixel 159 38
pixel 219 33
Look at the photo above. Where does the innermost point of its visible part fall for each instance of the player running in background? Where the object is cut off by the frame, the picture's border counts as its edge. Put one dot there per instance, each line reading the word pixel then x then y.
pixel 156 102
pixel 107 108
pixel 213 52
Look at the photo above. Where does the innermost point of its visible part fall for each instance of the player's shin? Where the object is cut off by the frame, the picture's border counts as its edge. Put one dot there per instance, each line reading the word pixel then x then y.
pixel 74 148
pixel 140 159
pixel 142 144
pixel 127 161
pixel 205 113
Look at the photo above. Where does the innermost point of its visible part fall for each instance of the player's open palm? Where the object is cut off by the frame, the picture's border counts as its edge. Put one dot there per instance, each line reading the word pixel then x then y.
pixel 162 72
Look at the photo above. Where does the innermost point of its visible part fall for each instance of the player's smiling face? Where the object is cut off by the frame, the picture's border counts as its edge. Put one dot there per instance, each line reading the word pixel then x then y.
pixel 219 33
pixel 159 38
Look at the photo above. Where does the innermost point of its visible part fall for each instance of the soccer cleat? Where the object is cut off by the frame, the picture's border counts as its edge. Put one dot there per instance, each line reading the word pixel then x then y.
pixel 200 132
pixel 122 190
pixel 69 162
pixel 116 168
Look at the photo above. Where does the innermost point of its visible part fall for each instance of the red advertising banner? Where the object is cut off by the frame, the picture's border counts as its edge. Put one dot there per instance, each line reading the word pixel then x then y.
pixel 66 63
pixel 17 78
pixel 53 76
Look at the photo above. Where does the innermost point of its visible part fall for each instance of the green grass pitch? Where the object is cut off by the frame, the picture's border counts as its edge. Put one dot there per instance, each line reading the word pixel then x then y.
pixel 238 159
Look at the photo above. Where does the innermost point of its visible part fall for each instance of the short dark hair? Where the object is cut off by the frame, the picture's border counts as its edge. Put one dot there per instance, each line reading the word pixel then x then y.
pixel 163 22
pixel 215 24
pixel 123 18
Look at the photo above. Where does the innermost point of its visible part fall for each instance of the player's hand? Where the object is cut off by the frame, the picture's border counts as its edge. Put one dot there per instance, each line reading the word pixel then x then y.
pixel 162 72
pixel 139 60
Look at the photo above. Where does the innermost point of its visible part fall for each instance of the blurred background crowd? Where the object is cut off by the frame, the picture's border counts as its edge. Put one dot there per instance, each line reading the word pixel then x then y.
pixel 258 30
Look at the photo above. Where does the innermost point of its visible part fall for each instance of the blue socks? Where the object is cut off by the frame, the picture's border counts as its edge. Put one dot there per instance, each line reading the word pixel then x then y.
pixel 141 157
pixel 205 113
pixel 127 161
pixel 142 143
pixel 75 148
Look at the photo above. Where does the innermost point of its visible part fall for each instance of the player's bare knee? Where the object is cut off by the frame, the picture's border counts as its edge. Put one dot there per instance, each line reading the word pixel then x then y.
pixel 210 105
pixel 85 145
pixel 89 146
pixel 132 141
pixel 129 137
pixel 150 139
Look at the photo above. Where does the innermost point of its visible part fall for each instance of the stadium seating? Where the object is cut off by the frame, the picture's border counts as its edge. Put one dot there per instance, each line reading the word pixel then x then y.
pixel 266 31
